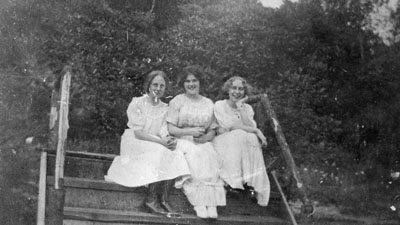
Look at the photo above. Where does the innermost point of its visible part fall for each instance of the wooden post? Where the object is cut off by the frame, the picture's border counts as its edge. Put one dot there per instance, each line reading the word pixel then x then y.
pixel 59 122
pixel 42 189
pixel 284 146
pixel 284 198
pixel 62 128
pixel 58 135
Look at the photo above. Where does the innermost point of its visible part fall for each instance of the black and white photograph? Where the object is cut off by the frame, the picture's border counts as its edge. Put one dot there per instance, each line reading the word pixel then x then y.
pixel 221 112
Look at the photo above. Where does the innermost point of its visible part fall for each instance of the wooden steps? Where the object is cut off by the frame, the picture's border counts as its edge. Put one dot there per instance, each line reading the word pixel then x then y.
pixel 85 216
pixel 82 192
pixel 91 200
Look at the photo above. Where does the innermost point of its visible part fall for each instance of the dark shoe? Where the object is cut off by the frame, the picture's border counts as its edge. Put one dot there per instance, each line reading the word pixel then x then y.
pixel 151 202
pixel 166 187
pixel 233 193
pixel 251 193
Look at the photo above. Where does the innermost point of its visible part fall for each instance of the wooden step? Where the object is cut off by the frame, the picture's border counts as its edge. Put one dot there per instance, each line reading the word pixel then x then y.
pixel 88 193
pixel 95 166
pixel 89 216
pixel 91 200
pixel 83 164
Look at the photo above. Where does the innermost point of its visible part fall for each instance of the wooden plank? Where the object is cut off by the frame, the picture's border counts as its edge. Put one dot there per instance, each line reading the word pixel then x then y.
pixel 131 217
pixel 84 155
pixel 42 190
pixel 284 199
pixel 62 127
pixel 109 186
pixel 82 167
pixel 91 155
pixel 97 185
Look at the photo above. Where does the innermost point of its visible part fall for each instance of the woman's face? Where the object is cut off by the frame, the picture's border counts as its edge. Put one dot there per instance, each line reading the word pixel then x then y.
pixel 236 91
pixel 157 87
pixel 191 85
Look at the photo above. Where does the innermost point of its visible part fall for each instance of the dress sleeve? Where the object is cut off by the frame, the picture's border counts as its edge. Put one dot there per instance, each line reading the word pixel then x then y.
pixel 136 119
pixel 164 129
pixel 213 124
pixel 223 119
pixel 249 111
pixel 173 112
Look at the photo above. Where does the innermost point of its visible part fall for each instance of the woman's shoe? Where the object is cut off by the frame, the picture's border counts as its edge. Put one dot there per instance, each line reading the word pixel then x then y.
pixel 251 193
pixel 212 212
pixel 201 211
pixel 233 193
pixel 165 189
pixel 155 207
pixel 151 203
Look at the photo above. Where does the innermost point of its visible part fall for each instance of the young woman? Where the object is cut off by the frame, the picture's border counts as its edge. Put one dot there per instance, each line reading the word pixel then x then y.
pixel 191 120
pixel 147 155
pixel 239 141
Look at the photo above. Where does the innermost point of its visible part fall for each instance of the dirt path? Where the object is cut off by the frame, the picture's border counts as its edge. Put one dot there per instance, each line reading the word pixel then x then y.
pixel 331 215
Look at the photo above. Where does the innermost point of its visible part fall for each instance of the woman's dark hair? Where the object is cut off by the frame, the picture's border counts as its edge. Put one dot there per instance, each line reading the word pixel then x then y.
pixel 150 77
pixel 228 84
pixel 197 71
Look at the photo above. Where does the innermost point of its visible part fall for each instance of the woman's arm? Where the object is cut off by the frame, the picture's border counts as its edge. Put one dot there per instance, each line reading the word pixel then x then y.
pixel 249 125
pixel 247 120
pixel 185 131
pixel 165 141
pixel 206 137
pixel 246 117
pixel 249 129
pixel 246 128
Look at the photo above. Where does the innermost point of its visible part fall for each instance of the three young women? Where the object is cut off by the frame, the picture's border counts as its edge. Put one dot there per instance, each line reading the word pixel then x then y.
pixel 201 162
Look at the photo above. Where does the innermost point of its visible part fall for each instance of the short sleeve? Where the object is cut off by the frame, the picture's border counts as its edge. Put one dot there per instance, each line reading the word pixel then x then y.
pixel 250 112
pixel 213 124
pixel 173 112
pixel 136 120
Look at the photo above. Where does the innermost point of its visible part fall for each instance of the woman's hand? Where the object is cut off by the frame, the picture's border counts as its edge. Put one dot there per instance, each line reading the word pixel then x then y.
pixel 201 139
pixel 261 137
pixel 169 142
pixel 205 137
pixel 197 131
pixel 240 103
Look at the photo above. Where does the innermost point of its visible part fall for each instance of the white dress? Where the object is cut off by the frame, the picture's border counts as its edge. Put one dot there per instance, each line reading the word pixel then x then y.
pixel 143 162
pixel 204 186
pixel 240 152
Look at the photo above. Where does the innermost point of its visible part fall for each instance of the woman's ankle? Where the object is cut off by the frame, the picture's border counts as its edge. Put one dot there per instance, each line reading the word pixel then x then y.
pixel 201 211
pixel 212 212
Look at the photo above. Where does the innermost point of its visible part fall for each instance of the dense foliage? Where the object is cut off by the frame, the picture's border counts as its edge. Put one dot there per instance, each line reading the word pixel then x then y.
pixel 332 81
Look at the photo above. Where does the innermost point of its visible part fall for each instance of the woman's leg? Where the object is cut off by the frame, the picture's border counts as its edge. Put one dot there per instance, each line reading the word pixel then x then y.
pixel 152 203
pixel 166 187
pixel 203 188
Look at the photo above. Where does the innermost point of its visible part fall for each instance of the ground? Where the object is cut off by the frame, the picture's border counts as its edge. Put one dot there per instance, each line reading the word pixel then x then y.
pixel 19 188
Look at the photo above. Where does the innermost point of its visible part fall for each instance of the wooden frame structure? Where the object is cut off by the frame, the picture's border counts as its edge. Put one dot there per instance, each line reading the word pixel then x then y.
pixel 58 134
pixel 58 127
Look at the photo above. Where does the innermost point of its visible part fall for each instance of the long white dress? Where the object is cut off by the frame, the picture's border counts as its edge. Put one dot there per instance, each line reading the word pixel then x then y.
pixel 204 186
pixel 143 162
pixel 240 152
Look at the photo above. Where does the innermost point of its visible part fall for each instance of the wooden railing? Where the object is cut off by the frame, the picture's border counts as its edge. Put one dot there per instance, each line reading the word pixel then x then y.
pixel 58 127
pixel 308 208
